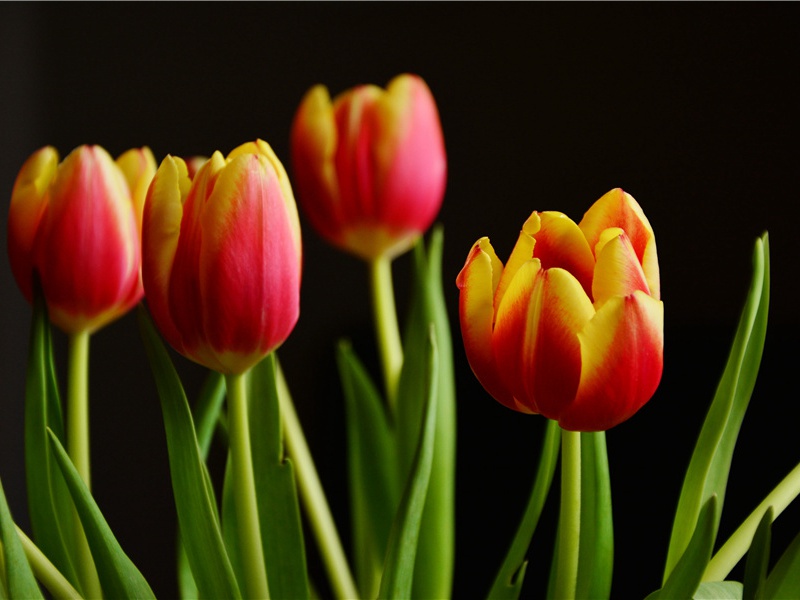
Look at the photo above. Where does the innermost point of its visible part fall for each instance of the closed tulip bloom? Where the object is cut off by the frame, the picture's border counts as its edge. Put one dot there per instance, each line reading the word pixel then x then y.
pixel 572 326
pixel 76 223
pixel 370 165
pixel 222 257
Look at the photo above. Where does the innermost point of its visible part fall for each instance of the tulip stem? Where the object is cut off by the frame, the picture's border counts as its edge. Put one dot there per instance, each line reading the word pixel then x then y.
pixel 569 525
pixel 734 549
pixel 313 497
pixel 387 329
pixel 45 571
pixel 78 450
pixel 249 531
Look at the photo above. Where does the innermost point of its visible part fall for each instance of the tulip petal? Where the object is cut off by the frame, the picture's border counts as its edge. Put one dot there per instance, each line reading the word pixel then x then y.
pixel 619 209
pixel 622 356
pixel 28 205
pixel 162 214
pixel 520 255
pixel 89 251
pixel 138 166
pixel 535 338
pixel 618 272
pixel 477 281
pixel 561 243
pixel 249 264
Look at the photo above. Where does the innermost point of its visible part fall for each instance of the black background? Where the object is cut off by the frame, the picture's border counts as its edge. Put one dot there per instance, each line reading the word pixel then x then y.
pixel 689 107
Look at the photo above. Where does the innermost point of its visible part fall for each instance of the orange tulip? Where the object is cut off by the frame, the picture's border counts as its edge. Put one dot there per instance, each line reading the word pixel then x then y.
pixel 370 166
pixel 572 326
pixel 77 225
pixel 222 257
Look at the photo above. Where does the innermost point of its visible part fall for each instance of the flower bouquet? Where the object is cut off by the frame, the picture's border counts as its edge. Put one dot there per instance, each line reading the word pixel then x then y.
pixel 570 328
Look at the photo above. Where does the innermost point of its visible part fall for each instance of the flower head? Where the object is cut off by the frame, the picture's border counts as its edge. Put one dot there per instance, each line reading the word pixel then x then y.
pixel 572 326
pixel 222 257
pixel 370 166
pixel 76 224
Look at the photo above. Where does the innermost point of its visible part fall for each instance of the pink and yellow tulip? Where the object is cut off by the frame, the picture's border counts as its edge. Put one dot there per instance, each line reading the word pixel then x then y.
pixel 77 224
pixel 370 166
pixel 222 257
pixel 572 326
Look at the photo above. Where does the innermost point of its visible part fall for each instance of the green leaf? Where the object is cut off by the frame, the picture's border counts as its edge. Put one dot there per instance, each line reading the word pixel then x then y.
pixel 20 580
pixel 596 554
pixel 206 416
pixel 374 493
pixel 276 491
pixel 755 572
pixel 119 577
pixel 685 578
pixel 197 513
pixel 784 579
pixel 719 590
pixel 398 571
pixel 49 503
pixel 508 582
pixel 433 577
pixel 707 474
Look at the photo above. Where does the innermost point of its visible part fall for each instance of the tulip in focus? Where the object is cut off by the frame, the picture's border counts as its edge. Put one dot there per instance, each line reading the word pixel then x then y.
pixel 572 326
pixel 222 257
pixel 77 224
pixel 370 166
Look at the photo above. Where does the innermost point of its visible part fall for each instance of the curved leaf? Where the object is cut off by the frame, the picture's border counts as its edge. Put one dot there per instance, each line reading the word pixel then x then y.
pixel 755 572
pixel 20 580
pixel 784 579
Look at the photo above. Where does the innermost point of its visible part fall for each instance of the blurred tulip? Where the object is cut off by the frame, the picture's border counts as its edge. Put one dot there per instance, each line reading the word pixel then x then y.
pixel 77 225
pixel 572 326
pixel 222 257
pixel 370 167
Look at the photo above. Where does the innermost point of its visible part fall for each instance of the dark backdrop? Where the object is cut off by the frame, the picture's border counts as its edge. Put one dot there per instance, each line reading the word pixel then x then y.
pixel 689 107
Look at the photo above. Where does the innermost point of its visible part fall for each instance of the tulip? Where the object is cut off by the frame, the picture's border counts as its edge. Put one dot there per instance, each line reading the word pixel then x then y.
pixel 222 257
pixel 370 166
pixel 76 224
pixel 572 326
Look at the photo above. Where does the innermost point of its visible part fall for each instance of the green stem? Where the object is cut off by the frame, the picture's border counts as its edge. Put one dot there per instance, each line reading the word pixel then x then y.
pixel 569 526
pixel 249 531
pixel 78 450
pixel 313 498
pixel 737 545
pixel 45 571
pixel 386 327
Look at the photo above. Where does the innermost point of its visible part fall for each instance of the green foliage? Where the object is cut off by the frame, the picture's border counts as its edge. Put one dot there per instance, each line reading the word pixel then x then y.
pixel 784 579
pixel 708 470
pixel 19 576
pixel 755 573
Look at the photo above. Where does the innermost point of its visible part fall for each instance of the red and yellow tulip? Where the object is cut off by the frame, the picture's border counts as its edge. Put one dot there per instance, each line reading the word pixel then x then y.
pixel 222 257
pixel 572 326
pixel 370 166
pixel 77 224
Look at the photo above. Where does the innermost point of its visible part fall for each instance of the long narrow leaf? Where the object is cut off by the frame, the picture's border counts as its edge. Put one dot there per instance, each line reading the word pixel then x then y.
pixel 755 572
pixel 374 493
pixel 707 474
pixel 20 580
pixel 685 577
pixel 49 504
pixel 784 579
pixel 119 577
pixel 276 492
pixel 434 569
pixel 398 571
pixel 508 583
pixel 197 513
pixel 596 554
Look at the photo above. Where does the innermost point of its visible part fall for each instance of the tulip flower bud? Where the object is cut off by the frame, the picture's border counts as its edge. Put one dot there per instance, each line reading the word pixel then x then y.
pixel 77 225
pixel 370 166
pixel 572 326
pixel 222 257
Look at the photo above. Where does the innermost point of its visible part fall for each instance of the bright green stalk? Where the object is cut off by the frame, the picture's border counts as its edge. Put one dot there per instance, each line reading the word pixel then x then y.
pixel 78 449
pixel 386 327
pixel 313 498
pixel 737 545
pixel 569 526
pixel 249 531
pixel 45 571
